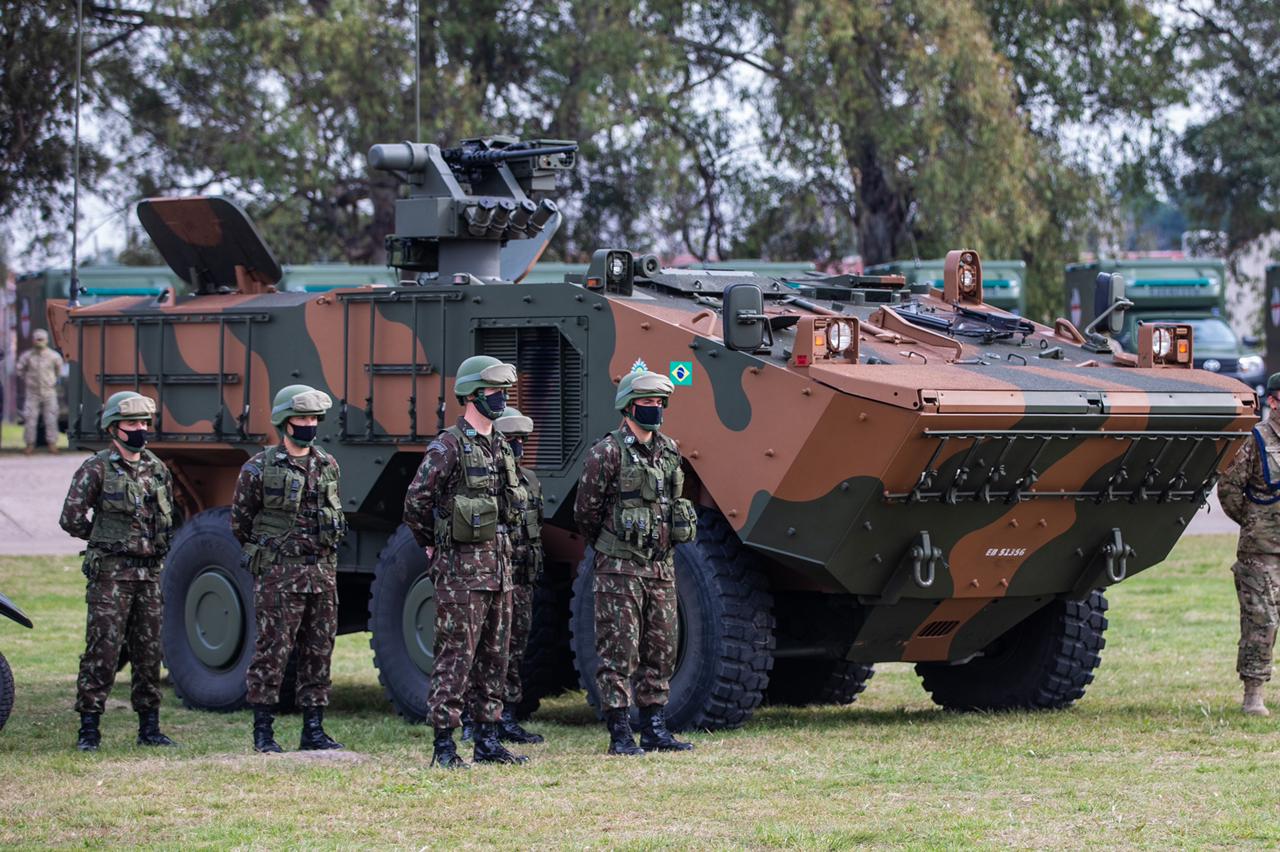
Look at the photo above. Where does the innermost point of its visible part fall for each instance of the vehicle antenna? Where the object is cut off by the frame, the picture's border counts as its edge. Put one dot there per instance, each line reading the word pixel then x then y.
pixel 417 73
pixel 74 296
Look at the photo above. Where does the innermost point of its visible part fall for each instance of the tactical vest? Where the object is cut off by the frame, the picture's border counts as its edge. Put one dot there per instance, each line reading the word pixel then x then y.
pixel 648 496
pixel 1272 492
pixel 475 512
pixel 121 502
pixel 525 507
pixel 282 488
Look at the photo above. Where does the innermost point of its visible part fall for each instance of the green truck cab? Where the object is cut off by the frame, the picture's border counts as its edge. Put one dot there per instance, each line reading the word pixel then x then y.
pixel 1003 281
pixel 1191 291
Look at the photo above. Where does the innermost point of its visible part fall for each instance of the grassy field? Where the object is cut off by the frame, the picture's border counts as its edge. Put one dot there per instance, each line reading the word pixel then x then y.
pixel 11 438
pixel 1157 754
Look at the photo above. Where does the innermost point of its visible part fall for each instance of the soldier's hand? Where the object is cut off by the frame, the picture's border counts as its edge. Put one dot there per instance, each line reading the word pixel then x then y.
pixel 431 554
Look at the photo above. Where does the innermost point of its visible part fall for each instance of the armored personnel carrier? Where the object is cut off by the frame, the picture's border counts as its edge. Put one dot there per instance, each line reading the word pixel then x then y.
pixel 884 472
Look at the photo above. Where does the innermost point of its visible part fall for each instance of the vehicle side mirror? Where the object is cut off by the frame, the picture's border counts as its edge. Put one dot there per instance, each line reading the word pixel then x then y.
pixel 745 323
pixel 1108 289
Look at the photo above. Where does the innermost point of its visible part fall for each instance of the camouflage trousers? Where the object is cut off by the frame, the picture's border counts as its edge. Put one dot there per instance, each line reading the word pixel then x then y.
pixel 35 406
pixel 307 621
pixel 122 613
pixel 635 639
pixel 472 631
pixel 1258 588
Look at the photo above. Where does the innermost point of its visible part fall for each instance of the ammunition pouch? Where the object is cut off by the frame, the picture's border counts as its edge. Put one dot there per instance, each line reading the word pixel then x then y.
pixel 684 521
pixel 475 519
pixel 617 548
pixel 253 557
pixel 92 565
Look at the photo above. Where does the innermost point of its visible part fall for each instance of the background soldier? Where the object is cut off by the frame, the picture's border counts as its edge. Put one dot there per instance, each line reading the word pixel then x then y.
pixel 288 517
pixel 527 568
pixel 39 368
pixel 1250 495
pixel 629 505
pixel 459 507
pixel 130 493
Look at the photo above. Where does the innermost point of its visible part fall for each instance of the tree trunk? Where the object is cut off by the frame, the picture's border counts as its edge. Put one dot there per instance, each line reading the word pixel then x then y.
pixel 881 211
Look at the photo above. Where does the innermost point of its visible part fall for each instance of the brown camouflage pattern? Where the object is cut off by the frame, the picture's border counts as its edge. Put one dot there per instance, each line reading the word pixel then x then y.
pixel 472 632
pixel 39 369
pixel 521 622
pixel 41 405
pixel 307 621
pixel 1259 524
pixel 1257 578
pixel 137 556
pixel 122 613
pixel 635 618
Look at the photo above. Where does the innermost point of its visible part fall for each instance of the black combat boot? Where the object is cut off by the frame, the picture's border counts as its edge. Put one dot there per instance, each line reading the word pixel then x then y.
pixel 264 737
pixel 446 752
pixel 90 737
pixel 621 740
pixel 488 749
pixel 468 726
pixel 313 736
pixel 654 735
pixel 509 730
pixel 149 730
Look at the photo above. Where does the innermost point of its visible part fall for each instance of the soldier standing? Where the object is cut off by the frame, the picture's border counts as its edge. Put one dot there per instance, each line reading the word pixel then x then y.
pixel 629 506
pixel 459 508
pixel 39 368
pixel 288 517
pixel 527 533
pixel 130 493
pixel 1250 495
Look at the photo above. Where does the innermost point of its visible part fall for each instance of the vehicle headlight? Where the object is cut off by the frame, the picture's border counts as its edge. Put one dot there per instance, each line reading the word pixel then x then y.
pixel 839 337
pixel 1251 364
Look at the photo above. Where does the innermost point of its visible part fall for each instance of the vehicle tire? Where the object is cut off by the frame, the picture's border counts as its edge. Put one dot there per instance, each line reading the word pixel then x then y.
pixel 547 668
pixel 6 691
pixel 801 681
pixel 1044 663
pixel 209 624
pixel 402 619
pixel 725 648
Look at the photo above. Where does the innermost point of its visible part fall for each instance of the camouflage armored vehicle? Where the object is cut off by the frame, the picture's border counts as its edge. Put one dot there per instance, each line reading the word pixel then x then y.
pixel 9 610
pixel 1003 281
pixel 883 471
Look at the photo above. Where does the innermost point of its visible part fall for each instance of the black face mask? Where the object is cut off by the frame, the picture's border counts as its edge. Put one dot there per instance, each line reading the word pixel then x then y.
pixel 648 416
pixel 517 447
pixel 135 440
pixel 302 435
pixel 492 404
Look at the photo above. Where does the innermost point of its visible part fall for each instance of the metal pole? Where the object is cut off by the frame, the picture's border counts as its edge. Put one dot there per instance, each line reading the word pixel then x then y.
pixel 417 74
pixel 74 296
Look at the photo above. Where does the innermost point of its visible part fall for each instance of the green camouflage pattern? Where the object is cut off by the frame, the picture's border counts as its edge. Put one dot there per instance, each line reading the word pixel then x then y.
pixel 39 369
pixel 288 620
pixel 1257 578
pixel 136 555
pixel 635 619
pixel 1259 523
pixel 521 622
pixel 123 613
pixel 472 632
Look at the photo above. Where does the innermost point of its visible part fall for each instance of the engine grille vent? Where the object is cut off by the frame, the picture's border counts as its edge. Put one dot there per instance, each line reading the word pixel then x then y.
pixel 934 629
pixel 549 389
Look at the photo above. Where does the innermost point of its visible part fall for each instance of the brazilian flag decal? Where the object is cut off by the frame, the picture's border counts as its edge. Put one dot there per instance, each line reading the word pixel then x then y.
pixel 682 373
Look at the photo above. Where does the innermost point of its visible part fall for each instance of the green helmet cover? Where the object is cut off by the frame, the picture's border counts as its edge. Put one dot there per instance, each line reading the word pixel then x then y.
pixel 1273 383
pixel 640 384
pixel 127 405
pixel 299 401
pixel 514 424
pixel 482 371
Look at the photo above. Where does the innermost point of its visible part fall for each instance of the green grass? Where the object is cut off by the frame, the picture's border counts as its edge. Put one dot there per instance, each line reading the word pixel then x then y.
pixel 1156 754
pixel 11 438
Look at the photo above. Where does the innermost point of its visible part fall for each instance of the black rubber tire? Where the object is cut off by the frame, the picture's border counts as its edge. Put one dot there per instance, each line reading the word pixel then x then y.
pixel 1044 663
pixel 205 543
pixel 6 691
pixel 727 622
pixel 802 681
pixel 547 668
pixel 400 564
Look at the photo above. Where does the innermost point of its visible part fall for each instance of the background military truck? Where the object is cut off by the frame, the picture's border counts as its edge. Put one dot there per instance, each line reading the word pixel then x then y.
pixel 1189 291
pixel 1003 281
pixel 882 471
pixel 1271 317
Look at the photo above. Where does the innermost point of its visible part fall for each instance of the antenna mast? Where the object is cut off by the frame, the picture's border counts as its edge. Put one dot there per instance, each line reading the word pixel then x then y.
pixel 74 296
pixel 417 74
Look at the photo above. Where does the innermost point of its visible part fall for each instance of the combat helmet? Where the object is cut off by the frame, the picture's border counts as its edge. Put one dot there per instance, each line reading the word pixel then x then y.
pixel 127 405
pixel 513 424
pixel 482 371
pixel 640 384
pixel 299 401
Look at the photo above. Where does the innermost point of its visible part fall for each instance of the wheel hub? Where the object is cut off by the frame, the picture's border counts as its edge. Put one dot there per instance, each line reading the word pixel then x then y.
pixel 419 623
pixel 214 618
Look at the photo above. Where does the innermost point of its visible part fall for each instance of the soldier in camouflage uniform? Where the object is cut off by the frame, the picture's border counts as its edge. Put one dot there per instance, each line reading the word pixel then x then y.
pixel 629 506
pixel 1250 495
pixel 515 427
pixel 460 509
pixel 287 516
pixel 39 368
pixel 130 495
